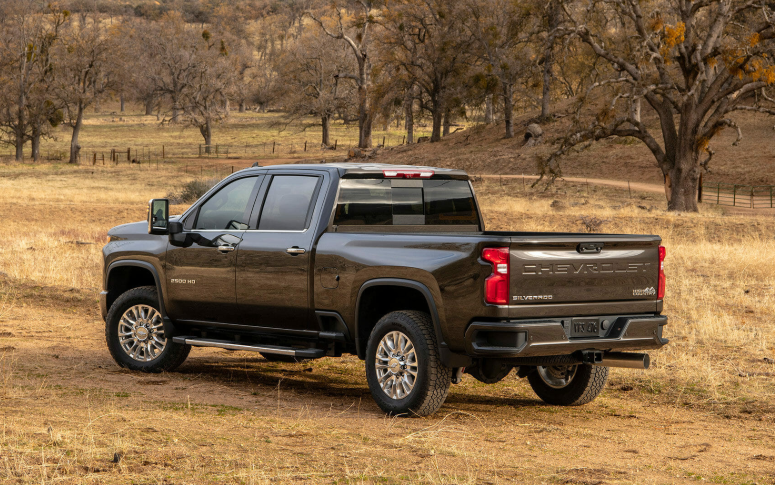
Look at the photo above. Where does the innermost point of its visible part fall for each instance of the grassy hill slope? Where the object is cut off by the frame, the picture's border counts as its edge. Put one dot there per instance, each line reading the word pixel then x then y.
pixel 482 149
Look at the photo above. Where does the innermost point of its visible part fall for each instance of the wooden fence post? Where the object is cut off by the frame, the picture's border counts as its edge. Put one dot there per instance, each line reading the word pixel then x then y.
pixel 273 143
pixel 128 154
pixel 734 194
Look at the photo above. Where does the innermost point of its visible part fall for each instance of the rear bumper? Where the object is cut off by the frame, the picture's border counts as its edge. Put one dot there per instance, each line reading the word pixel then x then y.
pixel 530 338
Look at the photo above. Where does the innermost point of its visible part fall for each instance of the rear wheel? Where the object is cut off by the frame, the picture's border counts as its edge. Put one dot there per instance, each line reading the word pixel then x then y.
pixel 134 332
pixel 568 385
pixel 403 369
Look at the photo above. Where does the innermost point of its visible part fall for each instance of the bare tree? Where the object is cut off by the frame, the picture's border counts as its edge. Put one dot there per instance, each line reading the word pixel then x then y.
pixel 171 56
pixel 693 63
pixel 499 28
pixel 27 36
pixel 357 36
pixel 84 60
pixel 428 41
pixel 204 99
pixel 308 80
pixel 552 32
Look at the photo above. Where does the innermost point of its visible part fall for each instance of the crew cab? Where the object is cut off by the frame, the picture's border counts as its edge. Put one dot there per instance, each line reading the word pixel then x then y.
pixel 392 264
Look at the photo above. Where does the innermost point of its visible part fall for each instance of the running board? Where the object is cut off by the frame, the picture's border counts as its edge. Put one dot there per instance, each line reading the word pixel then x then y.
pixel 264 349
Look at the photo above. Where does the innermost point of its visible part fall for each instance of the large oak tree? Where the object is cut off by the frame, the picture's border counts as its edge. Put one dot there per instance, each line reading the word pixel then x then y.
pixel 692 64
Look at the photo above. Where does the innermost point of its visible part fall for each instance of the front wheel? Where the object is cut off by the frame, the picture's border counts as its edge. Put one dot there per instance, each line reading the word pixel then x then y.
pixel 403 368
pixel 568 385
pixel 134 331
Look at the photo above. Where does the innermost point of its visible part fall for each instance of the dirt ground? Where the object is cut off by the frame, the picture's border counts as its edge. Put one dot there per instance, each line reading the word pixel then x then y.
pixel 704 413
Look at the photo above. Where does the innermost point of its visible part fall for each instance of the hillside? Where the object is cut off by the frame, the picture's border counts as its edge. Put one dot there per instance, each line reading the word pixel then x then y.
pixel 481 149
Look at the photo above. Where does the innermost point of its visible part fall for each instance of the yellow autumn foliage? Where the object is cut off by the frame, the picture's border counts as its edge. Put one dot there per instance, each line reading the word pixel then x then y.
pixel 674 35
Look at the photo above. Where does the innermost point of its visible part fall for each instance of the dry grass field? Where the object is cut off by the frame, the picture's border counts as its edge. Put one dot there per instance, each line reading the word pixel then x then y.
pixel 705 412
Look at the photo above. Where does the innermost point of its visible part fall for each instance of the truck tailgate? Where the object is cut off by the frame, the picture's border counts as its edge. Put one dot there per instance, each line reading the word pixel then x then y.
pixel 557 269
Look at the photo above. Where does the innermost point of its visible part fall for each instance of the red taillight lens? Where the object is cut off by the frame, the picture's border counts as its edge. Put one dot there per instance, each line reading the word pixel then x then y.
pixel 661 289
pixel 496 286
pixel 408 174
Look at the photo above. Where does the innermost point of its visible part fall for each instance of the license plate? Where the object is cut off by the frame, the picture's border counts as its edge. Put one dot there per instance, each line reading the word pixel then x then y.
pixel 585 328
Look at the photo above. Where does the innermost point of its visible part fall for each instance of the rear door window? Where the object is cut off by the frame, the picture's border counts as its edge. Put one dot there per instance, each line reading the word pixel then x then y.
pixel 288 203
pixel 398 202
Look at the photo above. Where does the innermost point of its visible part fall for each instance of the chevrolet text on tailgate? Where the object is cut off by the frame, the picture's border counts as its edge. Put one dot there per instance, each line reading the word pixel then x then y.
pixel 391 263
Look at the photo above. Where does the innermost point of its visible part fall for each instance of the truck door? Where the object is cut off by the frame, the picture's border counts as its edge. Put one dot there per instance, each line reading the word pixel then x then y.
pixel 201 273
pixel 273 260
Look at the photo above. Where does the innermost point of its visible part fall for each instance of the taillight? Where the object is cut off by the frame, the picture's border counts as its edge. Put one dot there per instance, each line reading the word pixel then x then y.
pixel 408 174
pixel 661 288
pixel 496 286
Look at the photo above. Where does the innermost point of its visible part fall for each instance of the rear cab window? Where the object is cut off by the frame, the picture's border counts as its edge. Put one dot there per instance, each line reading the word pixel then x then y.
pixel 402 202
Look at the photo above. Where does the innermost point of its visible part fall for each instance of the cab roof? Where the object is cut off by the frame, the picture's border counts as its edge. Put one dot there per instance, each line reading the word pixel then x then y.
pixel 367 170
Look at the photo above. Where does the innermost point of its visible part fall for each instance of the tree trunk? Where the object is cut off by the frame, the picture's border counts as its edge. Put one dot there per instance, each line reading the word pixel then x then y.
pixel 123 102
pixel 21 124
pixel 446 122
pixel 683 180
pixel 488 117
pixel 326 123
pixel 554 22
pixel 364 118
pixel 75 148
pixel 19 144
pixel 207 134
pixel 508 108
pixel 437 115
pixel 175 108
pixel 36 145
pixel 149 106
pixel 409 118
pixel 242 106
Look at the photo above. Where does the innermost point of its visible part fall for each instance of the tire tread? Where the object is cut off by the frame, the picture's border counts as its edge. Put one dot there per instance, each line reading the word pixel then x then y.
pixel 177 353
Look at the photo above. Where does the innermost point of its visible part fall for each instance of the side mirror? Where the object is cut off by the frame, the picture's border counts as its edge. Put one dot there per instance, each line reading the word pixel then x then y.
pixel 158 216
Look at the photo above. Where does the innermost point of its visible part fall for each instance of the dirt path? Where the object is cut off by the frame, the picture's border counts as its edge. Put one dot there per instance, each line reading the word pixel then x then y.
pixel 638 186
pixel 68 412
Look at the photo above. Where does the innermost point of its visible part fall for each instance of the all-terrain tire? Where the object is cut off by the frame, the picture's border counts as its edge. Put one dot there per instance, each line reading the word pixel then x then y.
pixel 433 379
pixel 170 358
pixel 586 384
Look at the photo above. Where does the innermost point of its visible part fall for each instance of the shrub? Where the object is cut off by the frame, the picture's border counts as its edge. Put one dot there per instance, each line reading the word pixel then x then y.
pixel 191 191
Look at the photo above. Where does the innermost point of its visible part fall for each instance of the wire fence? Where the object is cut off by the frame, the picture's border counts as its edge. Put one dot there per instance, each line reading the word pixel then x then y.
pixel 736 195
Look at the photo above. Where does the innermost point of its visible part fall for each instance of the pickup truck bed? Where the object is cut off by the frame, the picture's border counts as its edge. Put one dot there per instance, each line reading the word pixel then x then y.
pixel 315 260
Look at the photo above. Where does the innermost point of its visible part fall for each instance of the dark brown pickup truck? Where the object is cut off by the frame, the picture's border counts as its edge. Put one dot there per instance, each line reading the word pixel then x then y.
pixel 391 263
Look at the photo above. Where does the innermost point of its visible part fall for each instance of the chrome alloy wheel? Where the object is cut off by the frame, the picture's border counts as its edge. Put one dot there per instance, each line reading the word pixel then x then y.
pixel 396 365
pixel 141 333
pixel 557 376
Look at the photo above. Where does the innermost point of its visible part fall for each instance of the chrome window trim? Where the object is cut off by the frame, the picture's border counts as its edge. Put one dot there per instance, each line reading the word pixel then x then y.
pixel 241 230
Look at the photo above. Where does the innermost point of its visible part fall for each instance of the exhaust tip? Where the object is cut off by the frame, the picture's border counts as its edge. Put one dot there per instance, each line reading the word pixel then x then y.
pixel 625 360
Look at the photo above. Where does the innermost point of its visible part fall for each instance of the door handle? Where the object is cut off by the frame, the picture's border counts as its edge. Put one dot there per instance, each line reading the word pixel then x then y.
pixel 294 251
pixel 226 248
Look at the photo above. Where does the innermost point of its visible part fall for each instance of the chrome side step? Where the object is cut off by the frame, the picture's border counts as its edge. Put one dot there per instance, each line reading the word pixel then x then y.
pixel 264 349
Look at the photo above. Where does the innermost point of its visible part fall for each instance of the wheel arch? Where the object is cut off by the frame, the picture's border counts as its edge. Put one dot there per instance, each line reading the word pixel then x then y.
pixel 127 274
pixel 402 294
